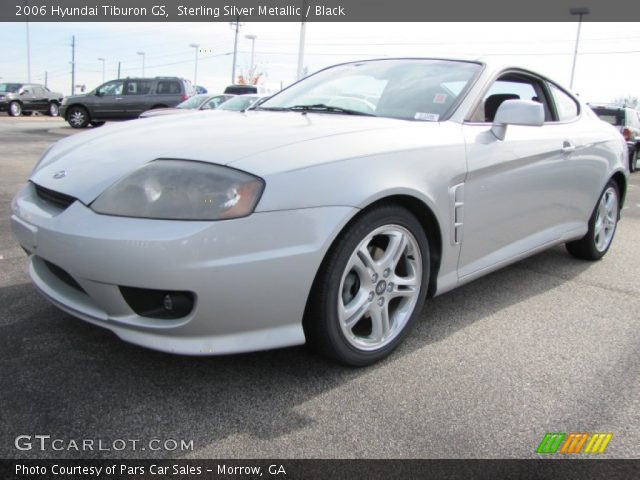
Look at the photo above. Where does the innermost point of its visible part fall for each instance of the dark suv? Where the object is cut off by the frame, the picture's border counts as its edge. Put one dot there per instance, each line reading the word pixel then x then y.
pixel 628 121
pixel 124 99
pixel 19 98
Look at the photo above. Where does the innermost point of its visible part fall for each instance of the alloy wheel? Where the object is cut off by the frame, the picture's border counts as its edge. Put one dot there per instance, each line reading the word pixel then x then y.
pixel 380 287
pixel 606 219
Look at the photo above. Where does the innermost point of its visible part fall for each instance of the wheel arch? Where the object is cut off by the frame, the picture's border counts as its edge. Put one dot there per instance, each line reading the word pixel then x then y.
pixel 73 105
pixel 425 216
pixel 621 182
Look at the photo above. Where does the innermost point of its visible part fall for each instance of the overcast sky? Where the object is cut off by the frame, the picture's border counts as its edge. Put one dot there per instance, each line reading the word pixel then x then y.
pixel 608 63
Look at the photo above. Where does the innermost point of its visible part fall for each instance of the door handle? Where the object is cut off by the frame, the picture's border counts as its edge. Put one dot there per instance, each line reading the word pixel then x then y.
pixel 568 147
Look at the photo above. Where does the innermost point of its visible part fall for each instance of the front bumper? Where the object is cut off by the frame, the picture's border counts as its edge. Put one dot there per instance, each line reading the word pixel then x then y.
pixel 251 277
pixel 62 110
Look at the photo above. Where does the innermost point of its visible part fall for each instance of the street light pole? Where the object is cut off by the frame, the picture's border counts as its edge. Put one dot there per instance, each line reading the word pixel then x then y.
pixel 580 12
pixel 195 73
pixel 142 53
pixel 303 27
pixel 253 47
pixel 102 60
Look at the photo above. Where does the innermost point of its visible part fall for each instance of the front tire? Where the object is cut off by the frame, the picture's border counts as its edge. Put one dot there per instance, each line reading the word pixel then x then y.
pixel 78 117
pixel 602 226
pixel 15 109
pixel 370 288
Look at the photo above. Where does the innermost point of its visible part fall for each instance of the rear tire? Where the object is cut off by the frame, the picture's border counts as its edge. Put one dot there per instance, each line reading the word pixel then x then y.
pixel 370 288
pixel 15 109
pixel 602 226
pixel 53 110
pixel 78 117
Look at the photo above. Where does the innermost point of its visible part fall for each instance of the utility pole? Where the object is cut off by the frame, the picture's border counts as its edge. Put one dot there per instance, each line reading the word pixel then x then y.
pixel 45 79
pixel 28 54
pixel 253 49
pixel 303 27
pixel 235 51
pixel 118 70
pixel 73 65
pixel 101 59
pixel 195 46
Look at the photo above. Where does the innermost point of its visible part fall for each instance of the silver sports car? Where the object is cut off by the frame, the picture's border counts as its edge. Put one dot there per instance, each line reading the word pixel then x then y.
pixel 327 215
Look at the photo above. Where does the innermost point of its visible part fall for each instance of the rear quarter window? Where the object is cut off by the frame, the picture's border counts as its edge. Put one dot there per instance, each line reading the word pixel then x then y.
pixel 168 87
pixel 566 107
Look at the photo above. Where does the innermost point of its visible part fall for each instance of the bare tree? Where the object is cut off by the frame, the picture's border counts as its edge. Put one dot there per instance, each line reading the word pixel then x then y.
pixel 628 101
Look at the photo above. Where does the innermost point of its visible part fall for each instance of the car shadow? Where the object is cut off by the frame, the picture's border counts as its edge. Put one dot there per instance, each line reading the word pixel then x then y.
pixel 71 380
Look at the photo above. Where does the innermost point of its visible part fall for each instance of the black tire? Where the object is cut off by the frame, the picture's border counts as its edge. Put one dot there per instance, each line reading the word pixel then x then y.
pixel 15 109
pixel 633 160
pixel 53 110
pixel 97 124
pixel 586 248
pixel 322 327
pixel 78 117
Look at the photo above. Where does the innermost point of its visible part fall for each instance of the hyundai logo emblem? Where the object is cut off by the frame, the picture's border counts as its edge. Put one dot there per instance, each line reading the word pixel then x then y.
pixel 60 174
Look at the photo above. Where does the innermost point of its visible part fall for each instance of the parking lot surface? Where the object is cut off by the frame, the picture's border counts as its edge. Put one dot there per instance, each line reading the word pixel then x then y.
pixel 550 344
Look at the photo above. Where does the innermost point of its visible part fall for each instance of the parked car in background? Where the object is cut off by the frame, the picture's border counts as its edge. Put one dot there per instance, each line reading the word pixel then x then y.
pixel 627 120
pixel 124 99
pixel 19 98
pixel 200 89
pixel 195 103
pixel 242 102
pixel 242 89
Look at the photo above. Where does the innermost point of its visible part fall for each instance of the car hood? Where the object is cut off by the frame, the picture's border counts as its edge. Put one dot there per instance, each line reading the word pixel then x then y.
pixel 158 112
pixel 94 160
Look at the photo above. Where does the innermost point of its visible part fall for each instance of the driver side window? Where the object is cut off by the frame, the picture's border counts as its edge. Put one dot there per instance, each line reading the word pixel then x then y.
pixel 511 86
pixel 111 88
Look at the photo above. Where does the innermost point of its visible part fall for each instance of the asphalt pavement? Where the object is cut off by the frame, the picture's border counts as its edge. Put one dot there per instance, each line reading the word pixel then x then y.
pixel 550 344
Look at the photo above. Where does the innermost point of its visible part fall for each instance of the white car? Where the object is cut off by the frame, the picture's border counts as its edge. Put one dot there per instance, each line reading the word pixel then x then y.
pixel 326 215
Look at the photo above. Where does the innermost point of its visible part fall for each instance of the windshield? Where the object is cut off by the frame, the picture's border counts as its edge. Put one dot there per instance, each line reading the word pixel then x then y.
pixel 239 103
pixel 9 87
pixel 405 89
pixel 193 102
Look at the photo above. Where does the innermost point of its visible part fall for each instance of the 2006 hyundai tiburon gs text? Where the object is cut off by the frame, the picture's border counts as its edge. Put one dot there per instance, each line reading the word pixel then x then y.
pixel 327 215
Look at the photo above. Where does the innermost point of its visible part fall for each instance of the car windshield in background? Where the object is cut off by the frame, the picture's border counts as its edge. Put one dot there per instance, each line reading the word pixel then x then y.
pixel 404 89
pixel 610 115
pixel 9 87
pixel 239 103
pixel 193 102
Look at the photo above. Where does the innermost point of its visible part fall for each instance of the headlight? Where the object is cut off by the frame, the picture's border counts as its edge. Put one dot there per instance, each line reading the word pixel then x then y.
pixel 182 190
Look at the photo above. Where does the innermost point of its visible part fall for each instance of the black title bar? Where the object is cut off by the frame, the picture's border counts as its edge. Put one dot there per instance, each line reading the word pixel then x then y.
pixel 315 10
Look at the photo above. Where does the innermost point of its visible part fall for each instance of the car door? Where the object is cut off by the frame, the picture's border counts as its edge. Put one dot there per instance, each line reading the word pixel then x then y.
pixel 28 99
pixel 40 99
pixel 107 102
pixel 136 96
pixel 517 193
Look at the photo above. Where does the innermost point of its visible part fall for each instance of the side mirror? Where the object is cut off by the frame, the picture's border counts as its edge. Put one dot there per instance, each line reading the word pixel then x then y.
pixel 98 93
pixel 517 112
pixel 24 92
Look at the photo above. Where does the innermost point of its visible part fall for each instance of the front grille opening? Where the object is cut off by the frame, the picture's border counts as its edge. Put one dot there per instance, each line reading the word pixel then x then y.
pixel 63 276
pixel 159 304
pixel 58 199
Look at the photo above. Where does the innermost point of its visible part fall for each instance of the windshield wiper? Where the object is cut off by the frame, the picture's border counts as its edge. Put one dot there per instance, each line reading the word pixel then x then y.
pixel 318 107
pixel 321 107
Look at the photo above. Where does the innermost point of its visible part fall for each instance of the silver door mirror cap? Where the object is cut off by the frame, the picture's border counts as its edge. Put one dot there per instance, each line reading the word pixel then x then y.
pixel 517 112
